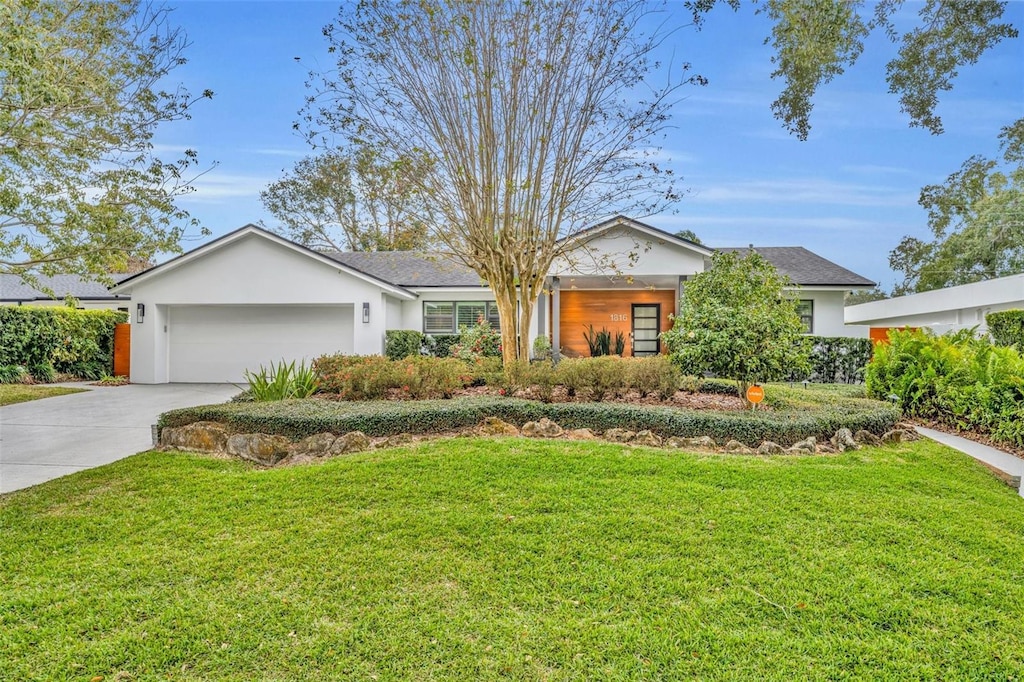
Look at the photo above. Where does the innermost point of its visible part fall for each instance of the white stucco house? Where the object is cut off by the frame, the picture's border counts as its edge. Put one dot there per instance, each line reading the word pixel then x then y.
pixel 252 297
pixel 942 310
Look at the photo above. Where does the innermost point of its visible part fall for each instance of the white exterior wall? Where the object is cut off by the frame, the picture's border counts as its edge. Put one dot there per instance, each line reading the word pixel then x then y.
pixel 943 310
pixel 608 253
pixel 250 271
pixel 828 314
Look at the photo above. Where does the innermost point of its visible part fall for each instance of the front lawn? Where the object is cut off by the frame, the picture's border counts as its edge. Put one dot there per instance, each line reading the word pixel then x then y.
pixel 22 393
pixel 521 559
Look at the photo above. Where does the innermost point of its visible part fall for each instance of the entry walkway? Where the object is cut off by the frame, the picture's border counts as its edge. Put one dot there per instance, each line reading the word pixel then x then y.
pixel 1003 461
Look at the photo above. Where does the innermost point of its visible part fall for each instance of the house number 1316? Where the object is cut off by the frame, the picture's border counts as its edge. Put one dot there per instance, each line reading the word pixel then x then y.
pixel 619 317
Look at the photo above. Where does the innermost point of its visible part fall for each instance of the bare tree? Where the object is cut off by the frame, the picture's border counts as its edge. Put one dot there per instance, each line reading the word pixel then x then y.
pixel 533 118
pixel 353 202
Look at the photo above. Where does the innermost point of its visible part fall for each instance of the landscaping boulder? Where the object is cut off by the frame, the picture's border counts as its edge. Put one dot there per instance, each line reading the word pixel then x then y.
pixel 353 441
pixel 737 447
pixel 581 434
pixel 619 435
pixel 206 436
pixel 648 438
pixel 865 437
pixel 545 428
pixel 701 442
pixel 315 446
pixel 676 442
pixel 769 448
pixel 394 441
pixel 808 444
pixel 261 448
pixel 492 426
pixel 843 440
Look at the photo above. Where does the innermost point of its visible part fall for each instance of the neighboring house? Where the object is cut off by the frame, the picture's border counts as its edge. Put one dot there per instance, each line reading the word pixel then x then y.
pixel 251 298
pixel 89 293
pixel 941 310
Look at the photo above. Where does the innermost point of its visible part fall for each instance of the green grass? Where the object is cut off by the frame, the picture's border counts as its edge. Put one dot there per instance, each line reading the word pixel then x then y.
pixel 21 393
pixel 517 559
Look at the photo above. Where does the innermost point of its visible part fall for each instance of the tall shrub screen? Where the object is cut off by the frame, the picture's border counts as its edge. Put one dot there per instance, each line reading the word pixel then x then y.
pixel 49 340
pixel 1007 328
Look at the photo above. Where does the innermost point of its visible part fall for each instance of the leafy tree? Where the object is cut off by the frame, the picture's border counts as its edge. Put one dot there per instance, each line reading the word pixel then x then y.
pixel 736 321
pixel 348 202
pixel 531 120
pixel 864 296
pixel 816 40
pixel 977 219
pixel 689 235
pixel 80 99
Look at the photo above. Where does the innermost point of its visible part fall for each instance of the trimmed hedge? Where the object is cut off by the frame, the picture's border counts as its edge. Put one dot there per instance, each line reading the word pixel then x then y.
pixel 45 340
pixel 1007 328
pixel 301 418
pixel 440 345
pixel 838 359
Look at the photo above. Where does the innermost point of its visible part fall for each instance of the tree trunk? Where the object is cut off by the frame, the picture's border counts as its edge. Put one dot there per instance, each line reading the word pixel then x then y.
pixel 505 299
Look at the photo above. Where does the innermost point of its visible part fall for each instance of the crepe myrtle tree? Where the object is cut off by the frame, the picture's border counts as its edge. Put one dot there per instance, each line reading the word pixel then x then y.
pixel 737 321
pixel 531 120
pixel 83 89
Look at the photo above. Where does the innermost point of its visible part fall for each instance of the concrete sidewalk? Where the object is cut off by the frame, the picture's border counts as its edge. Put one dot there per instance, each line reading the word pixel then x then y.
pixel 45 439
pixel 997 459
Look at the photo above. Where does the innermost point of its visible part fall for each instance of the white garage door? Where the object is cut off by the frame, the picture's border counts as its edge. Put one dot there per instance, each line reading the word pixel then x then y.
pixel 217 343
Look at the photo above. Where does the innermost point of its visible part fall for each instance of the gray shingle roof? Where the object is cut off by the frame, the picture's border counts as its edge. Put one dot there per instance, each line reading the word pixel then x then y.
pixel 807 268
pixel 12 288
pixel 409 268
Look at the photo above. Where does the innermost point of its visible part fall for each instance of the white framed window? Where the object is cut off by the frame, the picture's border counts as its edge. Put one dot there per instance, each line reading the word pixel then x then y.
pixel 446 317
pixel 805 309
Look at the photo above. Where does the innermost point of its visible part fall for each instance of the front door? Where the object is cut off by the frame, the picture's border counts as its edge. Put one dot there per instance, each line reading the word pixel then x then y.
pixel 646 323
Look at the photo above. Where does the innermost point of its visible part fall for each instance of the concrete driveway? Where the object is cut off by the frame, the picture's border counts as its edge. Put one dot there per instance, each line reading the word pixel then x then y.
pixel 46 439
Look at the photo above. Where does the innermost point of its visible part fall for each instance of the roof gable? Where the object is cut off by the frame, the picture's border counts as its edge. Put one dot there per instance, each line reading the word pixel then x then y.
pixel 254 231
pixel 648 231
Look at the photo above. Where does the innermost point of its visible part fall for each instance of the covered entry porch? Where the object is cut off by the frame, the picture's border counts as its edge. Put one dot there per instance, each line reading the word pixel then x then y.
pixel 638 310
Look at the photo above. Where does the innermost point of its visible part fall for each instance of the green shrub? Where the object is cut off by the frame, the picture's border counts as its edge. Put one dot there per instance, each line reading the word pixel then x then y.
pixel 1007 328
pixel 53 339
pixel 656 375
pixel 402 343
pixel 542 348
pixel 719 387
pixel 957 379
pixel 354 377
pixel 13 374
pixel 301 418
pixel 283 382
pixel 440 345
pixel 544 377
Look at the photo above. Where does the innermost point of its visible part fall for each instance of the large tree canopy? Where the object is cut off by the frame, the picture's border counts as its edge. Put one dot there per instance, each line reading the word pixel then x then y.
pixel 977 219
pixel 816 40
pixel 349 202
pixel 531 118
pixel 80 99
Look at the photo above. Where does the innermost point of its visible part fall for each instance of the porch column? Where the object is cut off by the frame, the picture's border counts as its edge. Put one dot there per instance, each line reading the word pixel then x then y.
pixel 556 318
pixel 679 292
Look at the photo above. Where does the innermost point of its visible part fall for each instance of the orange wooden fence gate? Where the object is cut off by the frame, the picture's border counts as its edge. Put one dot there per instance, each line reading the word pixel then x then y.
pixel 122 350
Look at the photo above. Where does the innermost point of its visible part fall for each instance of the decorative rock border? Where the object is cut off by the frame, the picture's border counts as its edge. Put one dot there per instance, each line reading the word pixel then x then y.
pixel 269 450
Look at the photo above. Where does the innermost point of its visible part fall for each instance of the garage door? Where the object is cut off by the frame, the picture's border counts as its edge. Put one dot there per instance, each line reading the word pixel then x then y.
pixel 214 344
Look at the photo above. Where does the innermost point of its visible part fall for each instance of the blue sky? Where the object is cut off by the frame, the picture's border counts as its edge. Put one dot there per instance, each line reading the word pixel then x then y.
pixel 849 193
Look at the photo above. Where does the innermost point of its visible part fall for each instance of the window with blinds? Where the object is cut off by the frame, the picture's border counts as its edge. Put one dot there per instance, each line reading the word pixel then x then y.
pixel 447 317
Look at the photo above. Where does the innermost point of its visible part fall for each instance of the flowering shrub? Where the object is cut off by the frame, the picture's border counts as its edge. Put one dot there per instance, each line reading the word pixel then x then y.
pixel 480 340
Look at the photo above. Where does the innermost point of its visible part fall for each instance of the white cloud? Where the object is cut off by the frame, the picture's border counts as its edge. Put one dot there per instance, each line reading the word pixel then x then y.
pixel 214 188
pixel 276 151
pixel 803 191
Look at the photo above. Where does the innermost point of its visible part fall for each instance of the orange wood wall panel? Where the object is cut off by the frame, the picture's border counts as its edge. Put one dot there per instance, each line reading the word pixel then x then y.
pixel 610 309
pixel 881 334
pixel 122 350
